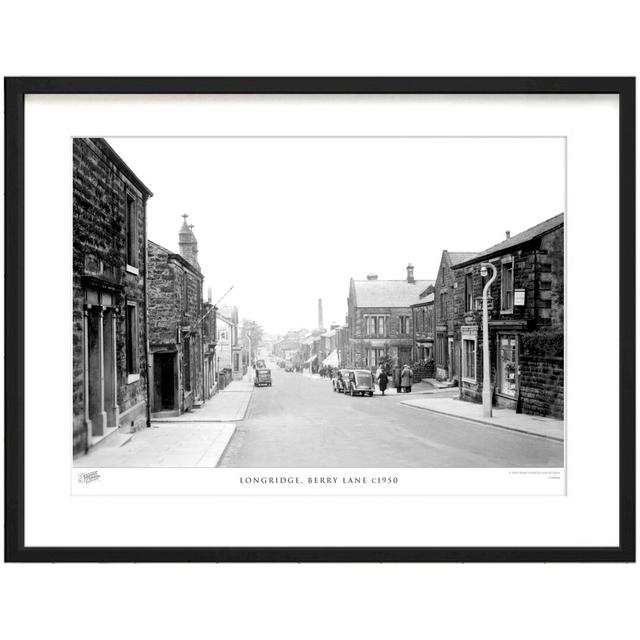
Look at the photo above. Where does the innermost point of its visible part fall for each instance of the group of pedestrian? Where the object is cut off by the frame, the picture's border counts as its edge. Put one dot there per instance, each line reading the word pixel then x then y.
pixel 401 378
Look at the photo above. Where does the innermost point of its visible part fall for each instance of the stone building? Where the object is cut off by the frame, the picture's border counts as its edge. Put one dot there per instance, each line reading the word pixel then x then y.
pixel 110 388
pixel 209 344
pixel 175 325
pixel 526 320
pixel 446 350
pixel 229 350
pixel 424 326
pixel 379 319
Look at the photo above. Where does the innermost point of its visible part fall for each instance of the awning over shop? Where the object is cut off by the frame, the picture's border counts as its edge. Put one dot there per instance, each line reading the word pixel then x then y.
pixel 331 360
pixel 311 359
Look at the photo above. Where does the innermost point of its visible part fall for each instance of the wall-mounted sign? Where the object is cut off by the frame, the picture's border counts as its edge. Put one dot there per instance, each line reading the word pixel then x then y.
pixel 518 297
pixel 479 304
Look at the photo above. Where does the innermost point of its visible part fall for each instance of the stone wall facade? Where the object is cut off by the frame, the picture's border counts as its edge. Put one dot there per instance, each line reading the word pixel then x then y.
pixel 109 229
pixel 175 327
pixel 394 342
pixel 542 385
pixel 517 374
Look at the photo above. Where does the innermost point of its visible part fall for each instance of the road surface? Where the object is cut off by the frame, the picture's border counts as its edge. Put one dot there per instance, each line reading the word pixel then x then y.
pixel 301 422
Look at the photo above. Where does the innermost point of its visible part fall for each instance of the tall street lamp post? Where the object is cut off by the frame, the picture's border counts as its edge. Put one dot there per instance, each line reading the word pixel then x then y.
pixel 486 362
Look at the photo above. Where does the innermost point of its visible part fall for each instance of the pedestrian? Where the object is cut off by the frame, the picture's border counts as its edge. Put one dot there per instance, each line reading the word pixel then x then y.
pixel 397 378
pixel 383 378
pixel 406 377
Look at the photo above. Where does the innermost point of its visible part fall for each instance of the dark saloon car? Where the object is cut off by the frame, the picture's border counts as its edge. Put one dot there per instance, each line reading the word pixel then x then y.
pixel 359 381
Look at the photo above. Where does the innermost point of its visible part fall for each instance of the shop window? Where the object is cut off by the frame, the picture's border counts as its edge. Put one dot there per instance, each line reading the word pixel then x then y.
pixel 469 359
pixel 507 365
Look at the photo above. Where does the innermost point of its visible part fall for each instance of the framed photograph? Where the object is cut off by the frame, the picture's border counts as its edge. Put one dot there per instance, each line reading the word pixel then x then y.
pixel 320 319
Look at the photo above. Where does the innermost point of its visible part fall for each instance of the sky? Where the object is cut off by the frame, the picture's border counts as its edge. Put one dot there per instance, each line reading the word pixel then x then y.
pixel 286 221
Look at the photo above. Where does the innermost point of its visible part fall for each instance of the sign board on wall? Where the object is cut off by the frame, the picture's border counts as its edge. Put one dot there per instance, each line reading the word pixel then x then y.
pixel 518 297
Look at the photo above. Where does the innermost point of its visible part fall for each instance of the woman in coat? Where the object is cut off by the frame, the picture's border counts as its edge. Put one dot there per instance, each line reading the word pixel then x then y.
pixel 383 378
pixel 406 378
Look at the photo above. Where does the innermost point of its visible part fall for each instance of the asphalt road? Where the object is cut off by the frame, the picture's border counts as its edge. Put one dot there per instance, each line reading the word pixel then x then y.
pixel 301 422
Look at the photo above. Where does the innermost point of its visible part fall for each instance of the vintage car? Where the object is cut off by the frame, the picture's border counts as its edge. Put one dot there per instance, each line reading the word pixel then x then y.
pixel 338 380
pixel 359 381
pixel 262 378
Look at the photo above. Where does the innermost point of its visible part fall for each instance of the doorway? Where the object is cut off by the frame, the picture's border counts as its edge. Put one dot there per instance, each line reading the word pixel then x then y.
pixel 164 381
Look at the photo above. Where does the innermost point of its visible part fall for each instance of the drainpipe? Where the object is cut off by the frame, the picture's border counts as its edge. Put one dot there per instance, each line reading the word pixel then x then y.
pixel 146 312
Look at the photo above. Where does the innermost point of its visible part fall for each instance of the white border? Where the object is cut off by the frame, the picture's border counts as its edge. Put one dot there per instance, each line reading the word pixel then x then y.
pixel 588 515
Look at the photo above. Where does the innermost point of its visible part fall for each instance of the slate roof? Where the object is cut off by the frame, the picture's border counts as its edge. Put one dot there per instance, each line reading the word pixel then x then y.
pixel 520 238
pixel 424 300
pixel 461 256
pixel 388 293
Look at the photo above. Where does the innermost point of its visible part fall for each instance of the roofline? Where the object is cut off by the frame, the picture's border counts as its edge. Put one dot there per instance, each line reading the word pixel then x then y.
pixel 104 146
pixel 176 256
pixel 488 256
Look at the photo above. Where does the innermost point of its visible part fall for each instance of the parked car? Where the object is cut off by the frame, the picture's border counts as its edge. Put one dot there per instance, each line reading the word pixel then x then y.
pixel 359 381
pixel 262 378
pixel 338 380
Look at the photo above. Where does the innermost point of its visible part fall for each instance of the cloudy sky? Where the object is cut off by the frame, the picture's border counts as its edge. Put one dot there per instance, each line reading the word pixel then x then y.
pixel 289 220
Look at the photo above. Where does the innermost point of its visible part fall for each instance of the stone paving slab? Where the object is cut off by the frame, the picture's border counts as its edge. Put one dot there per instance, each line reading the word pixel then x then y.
pixel 503 418
pixel 229 405
pixel 165 445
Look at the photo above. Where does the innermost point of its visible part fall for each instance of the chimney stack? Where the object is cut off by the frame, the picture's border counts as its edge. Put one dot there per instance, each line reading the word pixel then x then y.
pixel 320 321
pixel 508 234
pixel 410 278
pixel 372 276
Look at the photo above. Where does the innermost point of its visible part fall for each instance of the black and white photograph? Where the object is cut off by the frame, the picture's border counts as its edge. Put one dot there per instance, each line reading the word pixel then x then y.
pixel 319 302
pixel 306 319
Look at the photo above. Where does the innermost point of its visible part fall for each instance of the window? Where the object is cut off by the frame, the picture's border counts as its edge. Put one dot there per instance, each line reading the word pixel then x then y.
pixel 186 363
pixel 375 326
pixel 468 292
pixel 507 365
pixel 132 338
pixel 185 293
pixel 374 356
pixel 428 320
pixel 469 358
pixel 507 286
pixel 443 305
pixel 404 324
pixel 132 232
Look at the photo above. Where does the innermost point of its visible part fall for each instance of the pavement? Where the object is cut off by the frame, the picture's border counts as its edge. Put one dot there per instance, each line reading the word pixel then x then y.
pixel 502 418
pixel 301 422
pixel 197 438
pixel 164 445
pixel 226 406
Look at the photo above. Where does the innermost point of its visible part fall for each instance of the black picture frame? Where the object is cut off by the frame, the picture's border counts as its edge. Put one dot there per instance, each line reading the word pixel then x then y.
pixel 15 91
